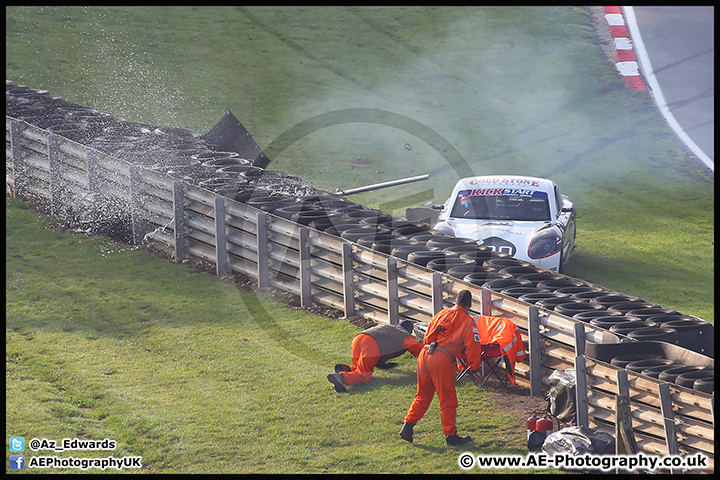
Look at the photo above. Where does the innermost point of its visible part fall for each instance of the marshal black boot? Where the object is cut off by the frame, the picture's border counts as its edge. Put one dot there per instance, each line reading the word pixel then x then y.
pixel 407 431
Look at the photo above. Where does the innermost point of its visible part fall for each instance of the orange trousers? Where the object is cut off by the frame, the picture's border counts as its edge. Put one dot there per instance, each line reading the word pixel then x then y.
pixel 435 373
pixel 366 354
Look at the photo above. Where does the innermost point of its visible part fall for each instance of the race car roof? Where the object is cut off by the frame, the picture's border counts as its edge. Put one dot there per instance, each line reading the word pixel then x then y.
pixel 505 181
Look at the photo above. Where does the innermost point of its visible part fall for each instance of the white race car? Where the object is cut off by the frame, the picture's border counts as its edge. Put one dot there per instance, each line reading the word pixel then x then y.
pixel 526 217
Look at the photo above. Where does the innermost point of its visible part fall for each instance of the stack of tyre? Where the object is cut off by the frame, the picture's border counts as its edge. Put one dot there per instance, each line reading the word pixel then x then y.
pixel 699 378
pixel 184 154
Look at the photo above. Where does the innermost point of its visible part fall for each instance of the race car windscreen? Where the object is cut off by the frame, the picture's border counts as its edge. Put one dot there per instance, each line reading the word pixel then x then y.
pixel 511 204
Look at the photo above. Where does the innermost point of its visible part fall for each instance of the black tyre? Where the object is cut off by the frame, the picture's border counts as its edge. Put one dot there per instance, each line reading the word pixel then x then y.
pixel 612 299
pixel 442 241
pixel 640 365
pixel 629 306
pixel 518 292
pixel 535 298
pixel 483 277
pixel 647 312
pixel 503 283
pixel 654 372
pixel 671 374
pixel 550 303
pixel 423 258
pixel 353 234
pixel 623 360
pixel 706 385
pixel 589 295
pixel 369 240
pixel 559 283
pixel 287 212
pixel 651 334
pixel 687 324
pixel 469 249
pixel 572 309
pixel 688 379
pixel 609 320
pixel 624 328
pixel 662 319
pixel 389 244
pixel 536 278
pixel 404 251
pixel 463 270
pixel 508 262
pixel 444 264
pixel 518 271
pixel 579 289
pixel 481 256
pixel 589 315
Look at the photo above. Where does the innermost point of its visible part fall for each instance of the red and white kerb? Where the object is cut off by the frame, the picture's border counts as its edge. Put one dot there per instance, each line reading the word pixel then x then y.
pixel 625 60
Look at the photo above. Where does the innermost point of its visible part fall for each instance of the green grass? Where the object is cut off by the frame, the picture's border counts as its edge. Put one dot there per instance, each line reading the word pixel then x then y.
pixel 193 374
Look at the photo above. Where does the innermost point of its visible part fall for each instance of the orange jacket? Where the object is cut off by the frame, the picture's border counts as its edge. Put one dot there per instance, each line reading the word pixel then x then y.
pixel 456 332
pixel 503 331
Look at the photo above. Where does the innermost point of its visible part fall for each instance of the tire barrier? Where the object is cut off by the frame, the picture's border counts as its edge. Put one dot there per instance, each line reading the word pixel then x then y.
pixel 536 298
pixel 461 271
pixel 625 328
pixel 589 315
pixel 368 240
pixel 403 251
pixel 551 303
pixel 647 312
pixel 579 289
pixel 683 324
pixel 420 237
pixel 146 146
pixel 423 258
pixel 389 244
pixel 442 241
pixel 654 372
pixel 623 361
pixel 536 278
pixel 651 333
pixel 670 375
pixel 354 234
pixel 705 385
pixel 609 320
pixel 660 319
pixel 503 283
pixel 571 309
pixel 287 212
pixel 507 262
pixel 629 306
pixel 467 249
pixel 589 294
pixel 518 271
pixel 481 278
pixel 612 299
pixel 556 284
pixel 688 379
pixel 641 365
pixel 481 257
pixel 446 263
pixel 518 292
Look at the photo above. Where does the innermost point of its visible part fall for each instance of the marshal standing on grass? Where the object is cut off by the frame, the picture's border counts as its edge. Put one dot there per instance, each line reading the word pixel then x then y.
pixel 451 332
pixel 373 348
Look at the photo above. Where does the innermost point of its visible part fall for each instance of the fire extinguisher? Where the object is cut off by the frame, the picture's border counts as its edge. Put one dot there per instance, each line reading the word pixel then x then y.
pixel 531 423
pixel 544 425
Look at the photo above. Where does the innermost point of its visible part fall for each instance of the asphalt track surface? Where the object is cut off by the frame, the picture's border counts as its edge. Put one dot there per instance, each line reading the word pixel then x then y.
pixel 675 50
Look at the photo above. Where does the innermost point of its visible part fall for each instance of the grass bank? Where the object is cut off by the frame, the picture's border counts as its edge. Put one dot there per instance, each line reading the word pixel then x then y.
pixel 197 376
